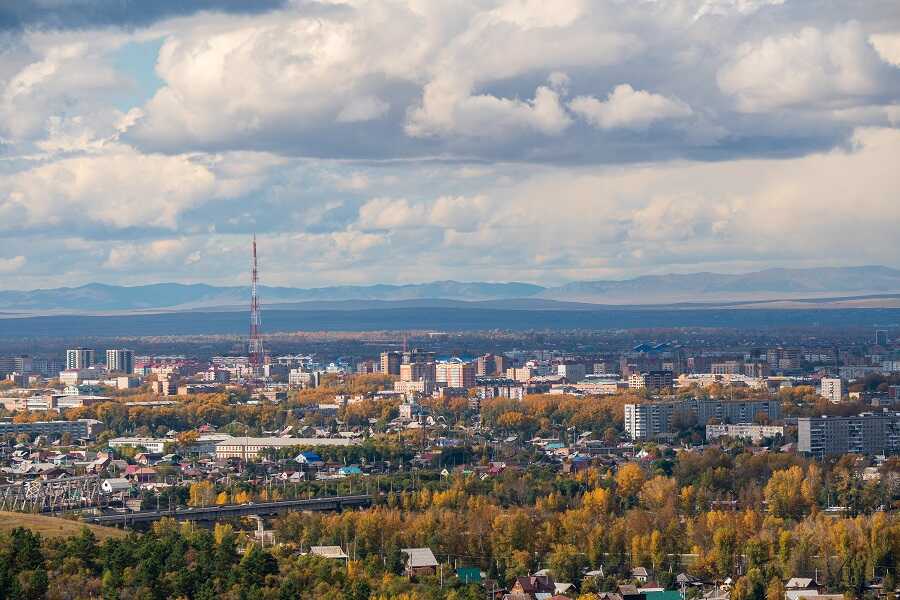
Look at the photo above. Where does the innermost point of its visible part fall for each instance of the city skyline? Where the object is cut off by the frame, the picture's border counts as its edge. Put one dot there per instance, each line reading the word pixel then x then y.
pixel 495 141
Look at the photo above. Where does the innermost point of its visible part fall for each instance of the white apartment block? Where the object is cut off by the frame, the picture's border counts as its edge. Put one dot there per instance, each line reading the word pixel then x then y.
pixel 831 389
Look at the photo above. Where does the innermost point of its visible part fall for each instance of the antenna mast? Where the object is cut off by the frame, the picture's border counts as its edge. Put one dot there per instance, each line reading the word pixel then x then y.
pixel 255 348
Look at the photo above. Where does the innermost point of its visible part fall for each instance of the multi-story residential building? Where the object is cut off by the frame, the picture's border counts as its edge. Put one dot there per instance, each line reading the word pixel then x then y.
pixel 756 369
pixel 86 429
pixel 165 386
pixel 120 361
pixel 460 374
pixel 16 364
pixel 154 445
pixel 522 374
pixel 744 430
pixel 881 337
pixel 80 358
pixel 652 380
pixel 831 389
pixel 423 387
pixel 417 355
pixel 249 448
pixel 305 379
pixel 418 370
pixel 728 367
pixel 573 372
pixel 651 419
pixel 499 387
pixel 485 365
pixel 867 433
pixel 636 381
pixel 390 362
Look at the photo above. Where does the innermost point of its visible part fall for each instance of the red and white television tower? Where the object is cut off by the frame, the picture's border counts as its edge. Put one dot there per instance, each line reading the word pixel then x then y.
pixel 256 354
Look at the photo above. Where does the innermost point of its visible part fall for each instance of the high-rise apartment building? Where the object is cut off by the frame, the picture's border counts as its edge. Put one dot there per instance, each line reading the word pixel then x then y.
pixel 485 365
pixel 80 358
pixel 651 380
pixel 881 337
pixel 867 433
pixel 650 419
pixel 121 361
pixel 460 374
pixel 16 364
pixel 831 389
pixel 417 355
pixel 573 372
pixel 418 370
pixel 390 362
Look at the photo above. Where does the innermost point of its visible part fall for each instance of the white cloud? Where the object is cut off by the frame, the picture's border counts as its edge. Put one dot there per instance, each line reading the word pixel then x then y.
pixel 837 67
pixel 626 107
pixel 449 108
pixel 11 265
pixel 150 255
pixel 59 95
pixel 352 133
pixel 388 213
pixel 119 188
pixel 461 213
pixel 888 47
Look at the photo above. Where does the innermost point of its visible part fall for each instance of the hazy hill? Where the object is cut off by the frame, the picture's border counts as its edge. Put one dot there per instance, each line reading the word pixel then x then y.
pixel 769 284
pixel 757 285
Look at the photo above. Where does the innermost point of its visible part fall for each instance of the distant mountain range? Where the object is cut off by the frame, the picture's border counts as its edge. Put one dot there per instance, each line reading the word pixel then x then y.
pixel 770 284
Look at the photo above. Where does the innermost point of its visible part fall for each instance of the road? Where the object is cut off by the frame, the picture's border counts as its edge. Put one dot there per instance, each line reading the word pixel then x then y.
pixel 214 513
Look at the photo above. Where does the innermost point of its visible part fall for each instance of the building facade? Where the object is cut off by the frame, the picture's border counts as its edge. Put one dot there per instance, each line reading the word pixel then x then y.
pixel 867 433
pixel 390 362
pixel 831 389
pixel 86 429
pixel 80 358
pixel 249 448
pixel 120 361
pixel 651 419
pixel 748 431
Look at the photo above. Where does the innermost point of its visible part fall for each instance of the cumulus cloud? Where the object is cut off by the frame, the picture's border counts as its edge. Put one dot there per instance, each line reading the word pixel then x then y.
pixel 11 265
pixel 150 255
pixel 888 47
pixel 459 213
pixel 118 189
pixel 626 107
pixel 54 94
pixel 837 67
pixel 450 109
pixel 585 138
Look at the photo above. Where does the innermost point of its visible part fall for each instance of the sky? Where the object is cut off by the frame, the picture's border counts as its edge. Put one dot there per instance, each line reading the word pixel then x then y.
pixel 403 141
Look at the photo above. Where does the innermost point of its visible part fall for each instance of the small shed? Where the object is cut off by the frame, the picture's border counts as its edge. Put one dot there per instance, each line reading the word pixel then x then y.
pixel 420 561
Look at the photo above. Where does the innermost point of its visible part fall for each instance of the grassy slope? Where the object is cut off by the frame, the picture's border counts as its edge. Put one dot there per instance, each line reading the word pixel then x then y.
pixel 53 526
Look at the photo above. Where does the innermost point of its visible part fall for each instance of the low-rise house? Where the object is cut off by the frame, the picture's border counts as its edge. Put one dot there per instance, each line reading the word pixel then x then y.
pixel 529 587
pixel 330 552
pixel 799 583
pixel 420 561
pixel 640 574
pixel 309 458
pixel 116 485
pixel 629 592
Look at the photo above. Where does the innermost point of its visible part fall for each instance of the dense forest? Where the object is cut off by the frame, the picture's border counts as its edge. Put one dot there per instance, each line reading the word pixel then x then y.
pixel 670 514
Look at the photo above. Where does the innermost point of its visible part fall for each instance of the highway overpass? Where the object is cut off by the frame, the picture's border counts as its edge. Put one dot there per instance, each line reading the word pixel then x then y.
pixel 215 513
